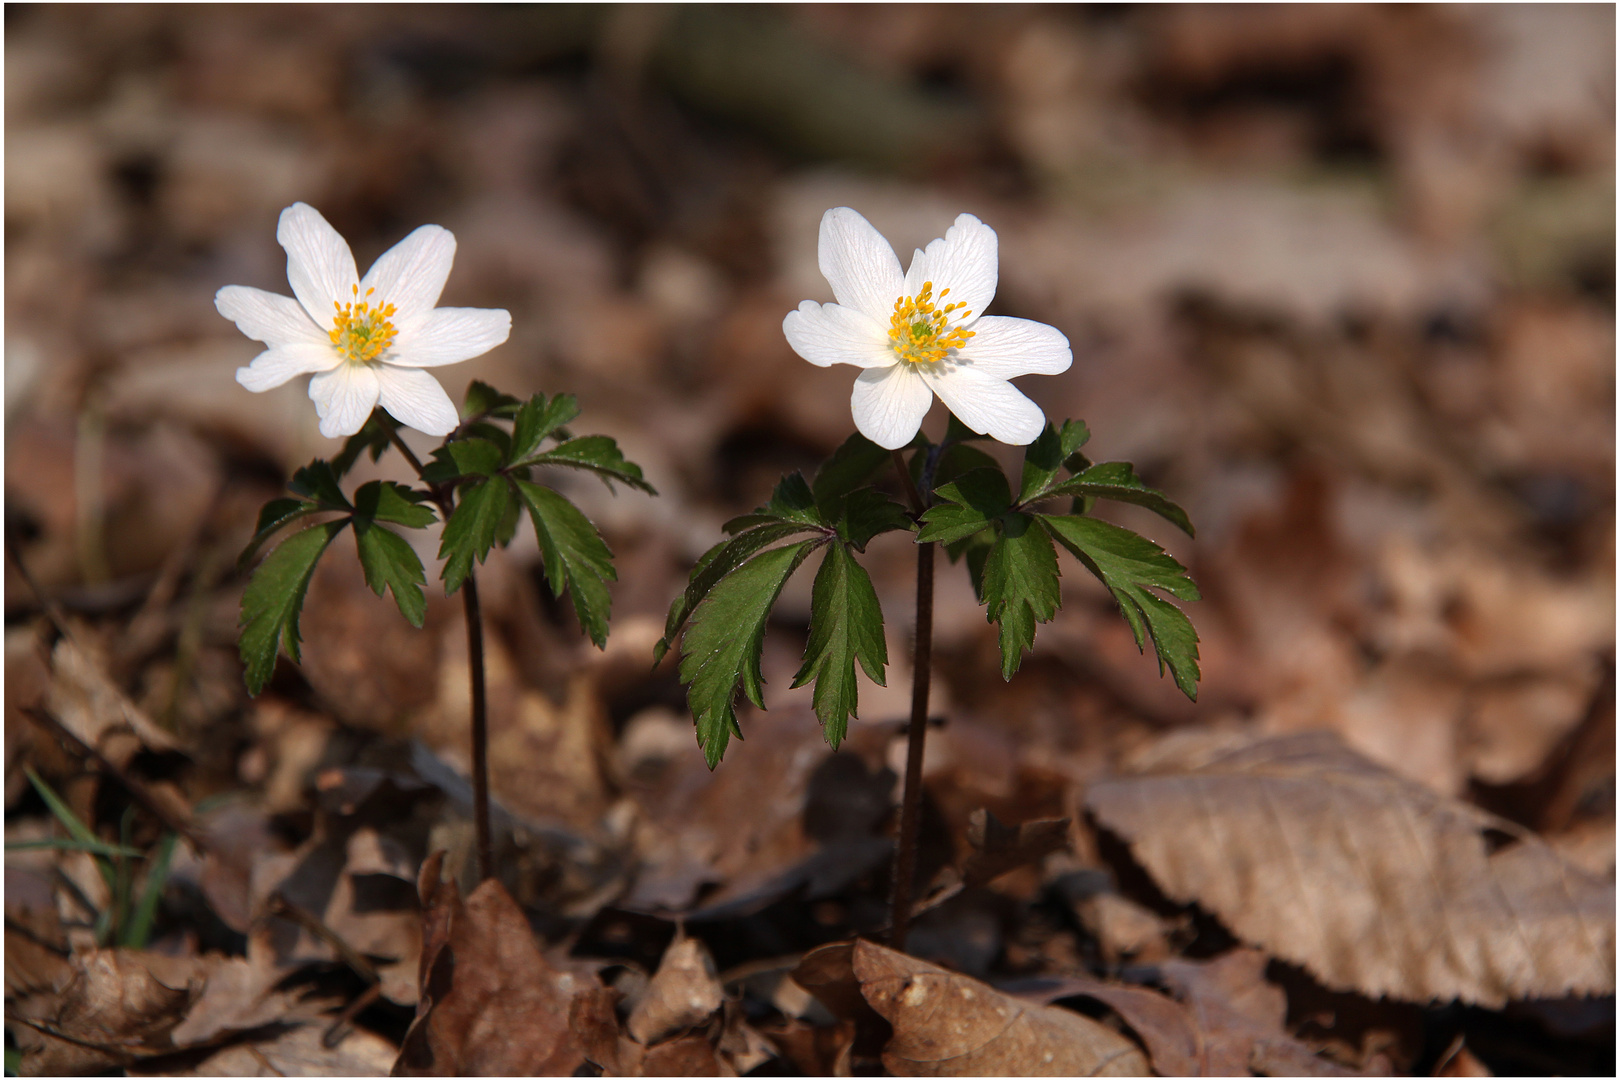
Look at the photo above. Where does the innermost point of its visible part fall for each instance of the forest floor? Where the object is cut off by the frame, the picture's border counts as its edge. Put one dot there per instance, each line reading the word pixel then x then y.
pixel 1340 280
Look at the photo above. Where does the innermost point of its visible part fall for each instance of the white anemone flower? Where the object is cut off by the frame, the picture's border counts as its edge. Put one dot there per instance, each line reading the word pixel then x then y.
pixel 923 333
pixel 366 340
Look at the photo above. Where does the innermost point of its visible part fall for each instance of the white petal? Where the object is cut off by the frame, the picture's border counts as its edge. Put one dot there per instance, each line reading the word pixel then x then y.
pixel 411 274
pixel 415 399
pixel 1004 348
pixel 320 266
pixel 988 405
pixel 343 398
pixel 827 334
pixel 859 264
pixel 267 317
pixel 964 261
pixel 275 366
pixel 889 404
pixel 450 335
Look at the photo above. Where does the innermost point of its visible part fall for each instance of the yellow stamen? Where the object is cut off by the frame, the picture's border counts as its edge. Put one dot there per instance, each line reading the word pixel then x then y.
pixel 359 331
pixel 917 330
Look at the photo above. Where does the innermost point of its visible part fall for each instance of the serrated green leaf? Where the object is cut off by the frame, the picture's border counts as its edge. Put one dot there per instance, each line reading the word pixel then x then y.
pixel 273 598
pixel 1118 481
pixel 463 458
pixel 850 466
pixel 721 648
pixel 1020 583
pixel 273 516
pixel 1052 451
pixel 965 505
pixel 375 435
pixel 846 625
pixel 575 557
pixel 600 455
pixel 866 513
pixel 390 562
pixel 472 528
pixel 715 564
pixel 317 481
pixel 384 500
pixel 537 419
pixel 1130 565
pixel 484 400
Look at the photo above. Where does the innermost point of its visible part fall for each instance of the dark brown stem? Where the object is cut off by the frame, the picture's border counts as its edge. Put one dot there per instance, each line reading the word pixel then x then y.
pixel 905 854
pixel 475 663
pixel 480 727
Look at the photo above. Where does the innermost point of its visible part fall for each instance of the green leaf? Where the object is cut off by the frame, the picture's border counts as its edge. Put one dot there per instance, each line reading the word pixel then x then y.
pixel 77 829
pixel 273 598
pixel 484 400
pixel 866 513
pixel 471 530
pixel 957 459
pixel 273 516
pixel 1047 454
pixel 317 481
pixel 600 455
pixel 375 435
pixel 967 504
pixel 792 500
pixel 390 562
pixel 1130 565
pixel 715 564
pixel 575 557
pixel 537 419
pixel 721 648
pixel 1118 481
pixel 846 625
pixel 463 458
pixel 384 500
pixel 157 876
pixel 850 466
pixel 1020 581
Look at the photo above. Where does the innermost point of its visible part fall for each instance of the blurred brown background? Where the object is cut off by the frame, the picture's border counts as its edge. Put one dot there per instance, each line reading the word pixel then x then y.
pixel 1339 279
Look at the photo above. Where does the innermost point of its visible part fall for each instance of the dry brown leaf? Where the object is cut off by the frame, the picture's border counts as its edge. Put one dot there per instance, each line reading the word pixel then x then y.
pixel 295 1051
pixel 1239 1017
pixel 684 992
pixel 947 1024
pixel 1372 882
pixel 90 704
pixel 490 1003
pixel 117 1007
pixel 999 848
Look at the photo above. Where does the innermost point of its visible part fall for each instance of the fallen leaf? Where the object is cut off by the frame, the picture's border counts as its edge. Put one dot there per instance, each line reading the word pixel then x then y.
pixel 950 1025
pixel 117 1007
pixel 1372 882
pixel 490 1003
pixel 295 1051
pixel 999 848
pixel 684 992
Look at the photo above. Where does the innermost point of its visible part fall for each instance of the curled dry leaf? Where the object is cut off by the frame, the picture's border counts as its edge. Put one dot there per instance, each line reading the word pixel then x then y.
pixel 1372 882
pixel 490 1003
pixel 116 1007
pixel 947 1024
pixel 683 993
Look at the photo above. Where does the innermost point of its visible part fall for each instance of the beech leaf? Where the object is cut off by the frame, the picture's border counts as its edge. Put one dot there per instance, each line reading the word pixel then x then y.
pixel 1372 882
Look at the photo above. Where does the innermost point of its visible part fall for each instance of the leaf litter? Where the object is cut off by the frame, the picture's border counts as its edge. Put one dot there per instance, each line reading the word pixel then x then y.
pixel 1337 279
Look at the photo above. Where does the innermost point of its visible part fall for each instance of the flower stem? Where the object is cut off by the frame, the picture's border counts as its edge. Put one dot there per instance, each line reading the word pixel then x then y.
pixel 475 663
pixel 905 855
pixel 480 727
